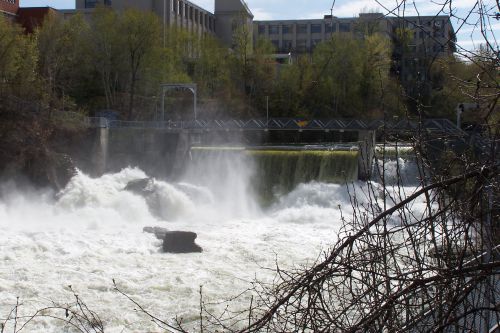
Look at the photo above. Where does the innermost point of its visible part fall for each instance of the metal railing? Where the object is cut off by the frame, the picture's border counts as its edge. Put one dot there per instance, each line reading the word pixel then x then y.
pixel 441 125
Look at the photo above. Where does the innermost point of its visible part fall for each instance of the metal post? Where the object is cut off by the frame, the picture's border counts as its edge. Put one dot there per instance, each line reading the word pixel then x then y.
pixel 164 21
pixel 267 111
pixel 195 101
pixel 162 104
pixel 487 258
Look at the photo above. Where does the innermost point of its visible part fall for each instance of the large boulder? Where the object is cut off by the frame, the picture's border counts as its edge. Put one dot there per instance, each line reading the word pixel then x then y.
pixel 159 232
pixel 181 242
pixel 142 187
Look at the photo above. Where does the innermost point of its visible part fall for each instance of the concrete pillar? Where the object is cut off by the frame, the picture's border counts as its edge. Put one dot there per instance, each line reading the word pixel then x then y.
pixel 366 141
pixel 181 153
pixel 100 155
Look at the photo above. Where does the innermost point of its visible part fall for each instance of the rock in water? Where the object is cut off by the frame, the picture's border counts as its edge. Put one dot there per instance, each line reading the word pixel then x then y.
pixel 159 232
pixel 140 186
pixel 181 242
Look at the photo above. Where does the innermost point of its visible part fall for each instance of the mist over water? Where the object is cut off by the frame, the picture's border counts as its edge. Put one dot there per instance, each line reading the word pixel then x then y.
pixel 91 233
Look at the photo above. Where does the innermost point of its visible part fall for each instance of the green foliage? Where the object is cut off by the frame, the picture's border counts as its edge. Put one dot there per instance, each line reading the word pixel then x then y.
pixel 62 62
pixel 18 59
pixel 116 60
pixel 403 37
pixel 140 32
pixel 346 77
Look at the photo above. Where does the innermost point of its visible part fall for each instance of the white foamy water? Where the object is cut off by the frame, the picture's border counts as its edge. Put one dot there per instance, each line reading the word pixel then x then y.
pixel 92 233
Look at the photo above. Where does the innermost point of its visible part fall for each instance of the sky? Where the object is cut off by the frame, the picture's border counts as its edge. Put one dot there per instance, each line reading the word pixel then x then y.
pixel 468 35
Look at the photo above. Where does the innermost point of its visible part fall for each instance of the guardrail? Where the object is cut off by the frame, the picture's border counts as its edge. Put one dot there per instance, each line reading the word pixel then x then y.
pixel 442 125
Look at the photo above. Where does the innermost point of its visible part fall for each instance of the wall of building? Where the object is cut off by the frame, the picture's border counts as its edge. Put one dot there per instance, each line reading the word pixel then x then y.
pixel 177 13
pixel 32 17
pixel 231 15
pixel 433 35
pixel 300 36
pixel 185 14
pixel 9 7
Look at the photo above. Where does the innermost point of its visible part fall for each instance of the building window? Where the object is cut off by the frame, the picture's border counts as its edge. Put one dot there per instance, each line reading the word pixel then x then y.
pixel 439 33
pixel 438 48
pixel 262 29
pixel 316 42
pixel 276 43
pixel 287 45
pixel 344 27
pixel 329 28
pixel 315 28
pixel 301 45
pixel 274 30
pixel 191 13
pixel 91 3
pixel 286 29
pixel 302 29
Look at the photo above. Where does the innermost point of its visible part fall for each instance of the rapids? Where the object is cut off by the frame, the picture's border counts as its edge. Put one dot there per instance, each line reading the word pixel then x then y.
pixel 91 233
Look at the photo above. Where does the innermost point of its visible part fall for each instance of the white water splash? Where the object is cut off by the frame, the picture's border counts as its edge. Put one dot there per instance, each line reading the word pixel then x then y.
pixel 91 233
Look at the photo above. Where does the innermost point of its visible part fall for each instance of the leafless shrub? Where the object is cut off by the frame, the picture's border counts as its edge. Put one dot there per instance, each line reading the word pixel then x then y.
pixel 75 317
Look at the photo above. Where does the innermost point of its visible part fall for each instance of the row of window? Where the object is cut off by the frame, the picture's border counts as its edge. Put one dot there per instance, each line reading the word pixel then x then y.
pixel 300 46
pixel 94 3
pixel 185 10
pixel 10 1
pixel 437 24
pixel 436 48
pixel 274 29
pixel 426 34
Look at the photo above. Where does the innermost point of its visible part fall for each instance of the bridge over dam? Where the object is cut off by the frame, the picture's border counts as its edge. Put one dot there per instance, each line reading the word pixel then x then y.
pixel 161 147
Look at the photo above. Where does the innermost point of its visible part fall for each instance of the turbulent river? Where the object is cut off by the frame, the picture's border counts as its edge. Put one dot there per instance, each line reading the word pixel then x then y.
pixel 91 233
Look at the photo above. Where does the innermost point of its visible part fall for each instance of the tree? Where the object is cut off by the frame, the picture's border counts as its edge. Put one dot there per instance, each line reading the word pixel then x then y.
pixel 211 69
pixel 106 50
pixel 18 59
pixel 141 35
pixel 63 63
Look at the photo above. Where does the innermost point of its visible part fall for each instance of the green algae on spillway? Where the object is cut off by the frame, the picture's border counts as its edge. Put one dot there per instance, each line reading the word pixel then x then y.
pixel 278 170
pixel 302 166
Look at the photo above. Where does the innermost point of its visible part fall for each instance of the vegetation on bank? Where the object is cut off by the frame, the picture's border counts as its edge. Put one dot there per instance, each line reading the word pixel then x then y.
pixel 116 61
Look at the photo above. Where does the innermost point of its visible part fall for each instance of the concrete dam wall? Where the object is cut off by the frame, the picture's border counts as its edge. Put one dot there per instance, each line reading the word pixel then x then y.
pixel 165 154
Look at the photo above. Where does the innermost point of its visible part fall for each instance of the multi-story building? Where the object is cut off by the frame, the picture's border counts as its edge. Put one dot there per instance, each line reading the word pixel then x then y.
pixel 432 34
pixel 415 40
pixel 9 8
pixel 180 13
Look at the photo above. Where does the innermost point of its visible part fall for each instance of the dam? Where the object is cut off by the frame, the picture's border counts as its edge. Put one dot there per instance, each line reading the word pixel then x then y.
pixel 335 150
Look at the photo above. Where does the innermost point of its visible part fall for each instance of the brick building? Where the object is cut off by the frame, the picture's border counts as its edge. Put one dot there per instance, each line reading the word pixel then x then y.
pixel 9 8
pixel 32 17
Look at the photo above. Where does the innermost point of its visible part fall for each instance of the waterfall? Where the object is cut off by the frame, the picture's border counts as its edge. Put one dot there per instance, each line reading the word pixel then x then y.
pixel 279 172
pixel 397 163
pixel 270 173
